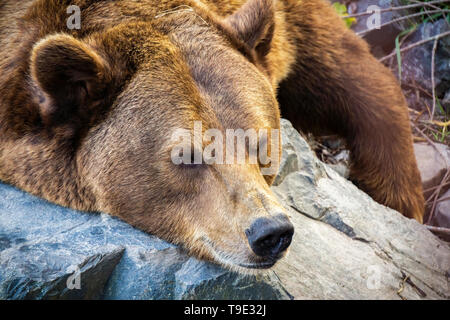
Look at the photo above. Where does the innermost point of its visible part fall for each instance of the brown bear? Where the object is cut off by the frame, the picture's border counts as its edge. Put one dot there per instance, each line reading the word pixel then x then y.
pixel 86 114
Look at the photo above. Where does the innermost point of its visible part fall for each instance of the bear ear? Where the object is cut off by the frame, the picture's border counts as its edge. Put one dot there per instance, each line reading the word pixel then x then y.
pixel 70 76
pixel 254 24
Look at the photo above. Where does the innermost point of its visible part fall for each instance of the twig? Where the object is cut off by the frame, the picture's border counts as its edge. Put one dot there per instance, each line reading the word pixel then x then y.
pixel 416 86
pixel 425 7
pixel 431 143
pixel 427 4
pixel 444 199
pixel 429 128
pixel 439 230
pixel 435 187
pixel 438 192
pixel 418 139
pixel 428 109
pixel 433 80
pixel 418 116
pixel 394 9
pixel 441 124
pixel 362 33
pixel 416 44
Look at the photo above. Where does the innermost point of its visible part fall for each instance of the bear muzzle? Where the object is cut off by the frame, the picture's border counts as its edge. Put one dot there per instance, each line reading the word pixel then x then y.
pixel 269 238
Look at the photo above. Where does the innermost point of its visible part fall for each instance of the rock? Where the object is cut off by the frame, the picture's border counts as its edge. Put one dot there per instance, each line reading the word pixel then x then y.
pixel 342 169
pixel 416 63
pixel 445 102
pixel 341 163
pixel 432 165
pixel 199 280
pixel 346 246
pixel 41 245
pixel 442 215
pixel 293 159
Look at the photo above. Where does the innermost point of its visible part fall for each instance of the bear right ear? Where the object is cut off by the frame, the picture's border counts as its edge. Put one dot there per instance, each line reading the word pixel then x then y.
pixel 70 76
pixel 254 24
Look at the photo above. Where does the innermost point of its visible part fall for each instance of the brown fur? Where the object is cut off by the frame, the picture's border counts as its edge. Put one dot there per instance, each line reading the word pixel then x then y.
pixel 86 115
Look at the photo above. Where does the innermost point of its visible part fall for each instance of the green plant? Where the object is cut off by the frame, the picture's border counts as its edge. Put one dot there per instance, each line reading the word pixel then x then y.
pixel 441 136
pixel 443 6
pixel 342 11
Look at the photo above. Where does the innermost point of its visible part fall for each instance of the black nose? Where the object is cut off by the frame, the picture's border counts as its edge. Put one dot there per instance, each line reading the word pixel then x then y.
pixel 270 237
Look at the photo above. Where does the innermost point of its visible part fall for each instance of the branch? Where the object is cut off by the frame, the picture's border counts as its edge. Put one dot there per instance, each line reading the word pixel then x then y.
pixel 395 8
pixel 436 192
pixel 416 44
pixel 426 4
pixel 362 33
pixel 433 81
pixel 439 230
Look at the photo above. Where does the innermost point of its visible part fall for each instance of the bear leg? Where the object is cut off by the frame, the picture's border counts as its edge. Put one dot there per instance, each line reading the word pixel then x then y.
pixel 337 86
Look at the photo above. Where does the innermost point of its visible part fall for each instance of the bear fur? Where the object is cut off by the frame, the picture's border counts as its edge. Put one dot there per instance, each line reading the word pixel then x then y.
pixel 86 114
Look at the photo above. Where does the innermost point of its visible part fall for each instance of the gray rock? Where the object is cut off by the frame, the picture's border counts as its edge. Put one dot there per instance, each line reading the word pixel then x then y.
pixel 293 159
pixel 342 165
pixel 432 164
pixel 445 102
pixel 416 63
pixel 41 245
pixel 346 246
pixel 342 169
pixel 442 215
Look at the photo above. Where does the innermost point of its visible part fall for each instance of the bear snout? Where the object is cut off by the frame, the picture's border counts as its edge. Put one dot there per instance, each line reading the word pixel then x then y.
pixel 270 237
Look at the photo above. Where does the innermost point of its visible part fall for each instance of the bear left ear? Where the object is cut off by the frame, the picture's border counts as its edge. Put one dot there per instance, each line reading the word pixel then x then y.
pixel 71 77
pixel 254 24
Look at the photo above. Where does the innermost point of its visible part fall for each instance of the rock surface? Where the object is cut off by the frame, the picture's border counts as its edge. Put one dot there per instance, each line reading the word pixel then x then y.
pixel 442 215
pixel 43 248
pixel 432 163
pixel 346 246
pixel 416 63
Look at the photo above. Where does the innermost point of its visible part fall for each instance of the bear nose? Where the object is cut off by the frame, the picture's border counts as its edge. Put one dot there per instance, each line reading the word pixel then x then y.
pixel 270 237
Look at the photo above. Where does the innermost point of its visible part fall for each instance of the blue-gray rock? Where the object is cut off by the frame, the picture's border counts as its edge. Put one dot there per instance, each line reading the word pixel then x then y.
pixel 416 63
pixel 45 249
